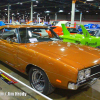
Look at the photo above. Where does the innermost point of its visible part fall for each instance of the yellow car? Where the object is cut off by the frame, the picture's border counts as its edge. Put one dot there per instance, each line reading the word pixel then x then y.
pixel 48 61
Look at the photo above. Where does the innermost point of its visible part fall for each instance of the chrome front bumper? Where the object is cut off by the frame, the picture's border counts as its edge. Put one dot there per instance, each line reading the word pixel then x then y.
pixel 75 86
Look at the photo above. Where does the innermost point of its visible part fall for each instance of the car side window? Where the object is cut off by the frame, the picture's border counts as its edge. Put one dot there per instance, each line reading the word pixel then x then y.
pixel 9 34
pixel 22 34
pixel 97 33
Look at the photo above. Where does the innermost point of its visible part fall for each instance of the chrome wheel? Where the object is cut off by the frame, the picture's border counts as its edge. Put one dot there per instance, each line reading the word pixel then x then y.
pixel 38 81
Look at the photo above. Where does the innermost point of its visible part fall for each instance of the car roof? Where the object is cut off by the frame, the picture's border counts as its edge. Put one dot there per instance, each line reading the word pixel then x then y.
pixel 22 26
pixel 61 22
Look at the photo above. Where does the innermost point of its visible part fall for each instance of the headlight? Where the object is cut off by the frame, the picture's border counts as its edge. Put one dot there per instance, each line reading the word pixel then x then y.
pixel 87 73
pixel 81 75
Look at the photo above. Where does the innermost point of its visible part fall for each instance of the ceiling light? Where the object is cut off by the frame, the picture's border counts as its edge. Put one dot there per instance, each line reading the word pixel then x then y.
pixel 34 5
pixel 68 13
pixel 76 10
pixel 12 13
pixel 61 11
pixel 34 12
pixel 5 9
pixel 47 11
pixel 21 3
pixel 37 1
pixel 96 13
pixel 89 0
pixel 87 11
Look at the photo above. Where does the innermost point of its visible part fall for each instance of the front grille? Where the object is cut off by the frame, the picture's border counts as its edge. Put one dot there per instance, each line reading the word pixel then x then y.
pixel 95 69
pixel 88 80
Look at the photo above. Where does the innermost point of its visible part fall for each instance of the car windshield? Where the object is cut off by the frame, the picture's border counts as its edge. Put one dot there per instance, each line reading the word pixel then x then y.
pixel 93 32
pixel 37 35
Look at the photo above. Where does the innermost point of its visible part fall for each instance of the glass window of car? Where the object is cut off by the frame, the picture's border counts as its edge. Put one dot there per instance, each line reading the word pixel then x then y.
pixel 72 30
pixel 9 34
pixel 32 35
pixel 93 32
pixel 97 33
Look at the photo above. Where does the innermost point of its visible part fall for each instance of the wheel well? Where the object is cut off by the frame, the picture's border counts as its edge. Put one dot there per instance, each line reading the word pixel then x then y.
pixel 28 67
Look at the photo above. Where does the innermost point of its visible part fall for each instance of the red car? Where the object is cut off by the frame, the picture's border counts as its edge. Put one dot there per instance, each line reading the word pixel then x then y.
pixel 59 31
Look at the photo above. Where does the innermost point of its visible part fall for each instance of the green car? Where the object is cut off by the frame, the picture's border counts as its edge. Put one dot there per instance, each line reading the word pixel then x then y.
pixel 85 38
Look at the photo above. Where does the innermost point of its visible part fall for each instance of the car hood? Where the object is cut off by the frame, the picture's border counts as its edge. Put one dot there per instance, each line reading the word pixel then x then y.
pixel 75 55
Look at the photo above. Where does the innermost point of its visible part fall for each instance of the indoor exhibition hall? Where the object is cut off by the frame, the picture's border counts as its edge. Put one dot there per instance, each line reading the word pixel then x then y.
pixel 50 50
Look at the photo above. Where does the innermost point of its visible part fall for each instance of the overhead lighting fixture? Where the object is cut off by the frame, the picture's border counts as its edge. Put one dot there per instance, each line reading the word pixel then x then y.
pixel 17 13
pixel 5 9
pixel 96 13
pixel 12 13
pixel 37 1
pixel 76 10
pixel 34 12
pixel 21 3
pixel 61 11
pixel 89 0
pixel 34 5
pixel 47 11
pixel 68 13
pixel 87 11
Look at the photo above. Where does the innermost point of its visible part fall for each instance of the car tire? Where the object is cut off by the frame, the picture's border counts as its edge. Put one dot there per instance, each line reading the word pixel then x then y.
pixel 39 81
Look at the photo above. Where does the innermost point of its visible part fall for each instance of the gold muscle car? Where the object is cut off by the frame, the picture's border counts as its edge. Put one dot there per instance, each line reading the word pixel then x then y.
pixel 48 61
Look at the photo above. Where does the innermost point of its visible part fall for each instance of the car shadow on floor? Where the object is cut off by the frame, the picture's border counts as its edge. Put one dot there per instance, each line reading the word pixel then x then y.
pixel 62 94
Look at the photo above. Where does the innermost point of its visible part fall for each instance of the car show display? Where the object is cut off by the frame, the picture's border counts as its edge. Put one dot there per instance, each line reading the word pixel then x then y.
pixel 48 61
pixel 58 30
pixel 85 38
pixel 49 49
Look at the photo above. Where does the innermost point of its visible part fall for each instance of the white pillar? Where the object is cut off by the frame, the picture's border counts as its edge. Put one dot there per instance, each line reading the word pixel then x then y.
pixel 55 16
pixel 4 18
pixel 80 17
pixel 73 13
pixel 37 17
pixel 12 18
pixel 45 18
pixel 23 17
pixel 31 10
pixel 8 14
